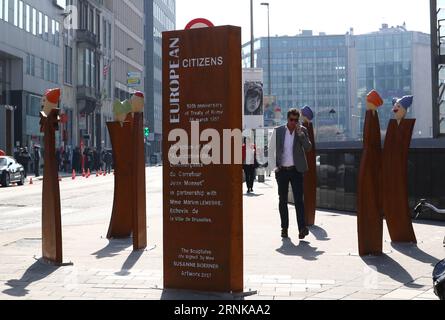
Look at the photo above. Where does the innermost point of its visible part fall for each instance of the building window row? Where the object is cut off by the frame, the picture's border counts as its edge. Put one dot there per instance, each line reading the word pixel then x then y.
pixel 31 20
pixel 41 68
pixel 162 18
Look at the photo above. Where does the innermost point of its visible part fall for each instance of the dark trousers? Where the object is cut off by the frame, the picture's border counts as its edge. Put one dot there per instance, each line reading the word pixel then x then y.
pixel 295 179
pixel 108 168
pixel 249 171
pixel 37 168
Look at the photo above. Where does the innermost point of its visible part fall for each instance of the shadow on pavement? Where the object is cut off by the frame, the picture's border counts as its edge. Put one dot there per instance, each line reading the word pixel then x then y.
pixel 389 267
pixel 253 195
pixel 178 295
pixel 415 253
pixel 38 271
pixel 114 248
pixel 319 233
pixel 131 261
pixel 304 250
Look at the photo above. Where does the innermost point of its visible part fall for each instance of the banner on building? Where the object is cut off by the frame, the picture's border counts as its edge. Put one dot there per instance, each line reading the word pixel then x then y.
pixel 253 99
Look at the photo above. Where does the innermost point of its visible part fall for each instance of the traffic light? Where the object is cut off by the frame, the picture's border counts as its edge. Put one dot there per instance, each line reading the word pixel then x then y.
pixel 146 132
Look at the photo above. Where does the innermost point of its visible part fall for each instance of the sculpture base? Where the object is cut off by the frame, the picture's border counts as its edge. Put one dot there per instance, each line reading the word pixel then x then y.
pixel 53 263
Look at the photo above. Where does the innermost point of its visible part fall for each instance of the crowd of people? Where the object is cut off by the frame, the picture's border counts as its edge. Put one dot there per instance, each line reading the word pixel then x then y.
pixel 67 159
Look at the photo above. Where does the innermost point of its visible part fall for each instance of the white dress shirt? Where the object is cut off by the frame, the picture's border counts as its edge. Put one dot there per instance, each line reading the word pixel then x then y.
pixel 250 154
pixel 288 151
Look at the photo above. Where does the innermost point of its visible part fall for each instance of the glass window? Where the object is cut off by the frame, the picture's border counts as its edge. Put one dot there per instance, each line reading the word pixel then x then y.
pixel 370 43
pixel 6 10
pixel 20 15
pixel 91 21
pixel 46 28
pixel 57 34
pixel 380 56
pixel 370 56
pixel 406 54
pixel 40 23
pixel 52 32
pixel 28 18
pixel 48 71
pixel 389 55
pixel 81 67
pixel 28 64
pixel 33 65
pixel 34 21
pixel 2 8
pixel 68 65
pixel 42 68
pixel 16 13
pixel 380 42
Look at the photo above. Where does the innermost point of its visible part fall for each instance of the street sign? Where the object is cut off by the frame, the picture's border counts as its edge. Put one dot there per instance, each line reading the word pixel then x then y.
pixel 134 79
pixel 199 23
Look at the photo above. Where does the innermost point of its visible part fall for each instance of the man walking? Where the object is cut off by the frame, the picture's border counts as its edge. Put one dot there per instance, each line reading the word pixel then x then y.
pixel 108 161
pixel 37 161
pixel 287 153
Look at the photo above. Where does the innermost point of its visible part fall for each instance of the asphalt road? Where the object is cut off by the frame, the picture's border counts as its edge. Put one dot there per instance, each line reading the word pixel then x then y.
pixel 83 200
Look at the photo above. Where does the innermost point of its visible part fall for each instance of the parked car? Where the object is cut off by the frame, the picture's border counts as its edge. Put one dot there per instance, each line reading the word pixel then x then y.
pixel 11 172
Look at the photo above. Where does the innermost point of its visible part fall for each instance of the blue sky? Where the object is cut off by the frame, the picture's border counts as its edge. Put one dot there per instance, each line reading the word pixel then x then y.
pixel 288 17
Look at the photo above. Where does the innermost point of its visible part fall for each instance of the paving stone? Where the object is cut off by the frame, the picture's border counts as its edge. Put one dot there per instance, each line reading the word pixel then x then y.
pixel 403 294
pixel 318 270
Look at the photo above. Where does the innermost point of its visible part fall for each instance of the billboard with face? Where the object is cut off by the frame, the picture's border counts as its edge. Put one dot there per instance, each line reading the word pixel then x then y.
pixel 253 98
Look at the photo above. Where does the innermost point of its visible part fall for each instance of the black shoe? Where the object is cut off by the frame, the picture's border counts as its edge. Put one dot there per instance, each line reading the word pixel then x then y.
pixel 284 234
pixel 303 233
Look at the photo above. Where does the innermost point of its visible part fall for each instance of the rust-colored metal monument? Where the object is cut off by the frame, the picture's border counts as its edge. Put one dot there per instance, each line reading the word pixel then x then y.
pixel 369 213
pixel 203 204
pixel 129 208
pixel 51 209
pixel 121 224
pixel 395 174
pixel 310 178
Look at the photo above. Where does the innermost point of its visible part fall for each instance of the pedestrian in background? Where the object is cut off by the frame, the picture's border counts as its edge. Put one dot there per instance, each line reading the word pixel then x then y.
pixel 249 163
pixel 36 157
pixel 108 161
pixel 59 158
pixel 24 159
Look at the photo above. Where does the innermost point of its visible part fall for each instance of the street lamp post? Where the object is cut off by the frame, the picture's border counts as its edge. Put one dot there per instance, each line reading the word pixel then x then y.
pixel 252 38
pixel 268 47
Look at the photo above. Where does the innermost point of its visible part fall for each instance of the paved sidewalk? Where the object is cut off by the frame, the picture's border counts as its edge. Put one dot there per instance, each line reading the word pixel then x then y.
pixel 325 266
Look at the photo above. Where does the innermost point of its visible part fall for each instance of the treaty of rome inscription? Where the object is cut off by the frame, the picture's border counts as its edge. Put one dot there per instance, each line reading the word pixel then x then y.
pixel 203 206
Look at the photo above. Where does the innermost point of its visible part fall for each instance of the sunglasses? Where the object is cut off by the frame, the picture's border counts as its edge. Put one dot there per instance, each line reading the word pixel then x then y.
pixel 293 120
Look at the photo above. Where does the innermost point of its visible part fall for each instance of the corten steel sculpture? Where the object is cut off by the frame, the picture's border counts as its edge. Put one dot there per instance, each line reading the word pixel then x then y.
pixel 369 213
pixel 129 208
pixel 51 210
pixel 310 178
pixel 121 224
pixel 212 230
pixel 395 173
pixel 138 159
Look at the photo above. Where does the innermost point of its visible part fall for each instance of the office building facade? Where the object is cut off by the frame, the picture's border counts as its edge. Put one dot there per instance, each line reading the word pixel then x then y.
pixel 333 74
pixel 396 63
pixel 30 62
pixel 87 88
pixel 309 70
pixel 160 17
